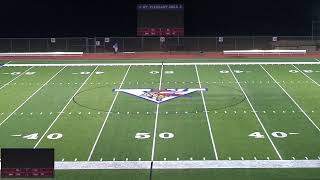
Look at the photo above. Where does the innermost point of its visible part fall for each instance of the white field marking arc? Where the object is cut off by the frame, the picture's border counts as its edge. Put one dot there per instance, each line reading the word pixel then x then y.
pixel 107 116
pixel 156 119
pixel 159 64
pixel 307 116
pixel 207 116
pixel 31 96
pixel 61 112
pixel 255 113
pixel 208 164
pixel 306 75
pixel 15 78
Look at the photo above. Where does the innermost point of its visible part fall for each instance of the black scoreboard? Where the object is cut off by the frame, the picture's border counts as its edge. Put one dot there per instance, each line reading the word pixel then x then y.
pixel 160 20
pixel 27 163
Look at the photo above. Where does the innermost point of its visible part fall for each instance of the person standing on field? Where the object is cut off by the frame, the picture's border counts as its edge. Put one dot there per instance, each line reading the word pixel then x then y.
pixel 115 48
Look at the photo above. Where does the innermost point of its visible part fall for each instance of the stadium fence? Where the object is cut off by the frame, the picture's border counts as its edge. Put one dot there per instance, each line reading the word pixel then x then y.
pixel 157 44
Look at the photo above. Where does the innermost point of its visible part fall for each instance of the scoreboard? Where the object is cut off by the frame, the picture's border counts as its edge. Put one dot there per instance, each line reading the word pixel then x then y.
pixel 27 163
pixel 160 20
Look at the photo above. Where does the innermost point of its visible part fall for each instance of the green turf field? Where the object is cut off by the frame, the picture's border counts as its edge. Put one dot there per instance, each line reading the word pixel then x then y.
pixel 250 112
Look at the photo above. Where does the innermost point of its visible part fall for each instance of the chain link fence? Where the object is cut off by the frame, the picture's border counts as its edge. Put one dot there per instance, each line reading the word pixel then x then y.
pixel 157 44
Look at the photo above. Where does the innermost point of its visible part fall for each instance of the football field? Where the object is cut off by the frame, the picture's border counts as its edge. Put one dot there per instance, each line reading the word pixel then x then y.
pixel 250 111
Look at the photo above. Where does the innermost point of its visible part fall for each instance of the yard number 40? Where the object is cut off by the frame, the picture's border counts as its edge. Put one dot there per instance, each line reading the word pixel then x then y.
pixel 35 136
pixel 259 135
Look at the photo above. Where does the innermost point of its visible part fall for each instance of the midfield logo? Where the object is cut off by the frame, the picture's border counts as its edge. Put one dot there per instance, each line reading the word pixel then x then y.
pixel 159 96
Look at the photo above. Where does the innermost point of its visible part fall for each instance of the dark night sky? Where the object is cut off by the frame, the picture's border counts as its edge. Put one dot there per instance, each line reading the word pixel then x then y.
pixel 118 17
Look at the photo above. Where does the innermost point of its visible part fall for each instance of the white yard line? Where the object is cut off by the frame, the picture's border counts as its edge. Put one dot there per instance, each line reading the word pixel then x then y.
pixel 306 75
pixel 156 120
pixel 15 78
pixel 61 112
pixel 255 112
pixel 105 120
pixel 159 64
pixel 214 164
pixel 292 99
pixel 31 96
pixel 208 120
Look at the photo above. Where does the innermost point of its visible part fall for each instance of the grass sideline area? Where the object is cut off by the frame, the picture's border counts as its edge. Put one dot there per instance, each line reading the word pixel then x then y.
pixel 209 174
pixel 163 60
pixel 249 112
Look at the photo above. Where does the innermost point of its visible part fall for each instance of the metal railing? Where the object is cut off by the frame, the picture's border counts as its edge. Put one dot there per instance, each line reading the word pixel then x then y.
pixel 145 44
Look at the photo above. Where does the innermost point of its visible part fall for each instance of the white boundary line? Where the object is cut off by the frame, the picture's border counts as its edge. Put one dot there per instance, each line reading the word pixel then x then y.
pixel 207 116
pixel 291 99
pixel 306 75
pixel 105 120
pixel 14 78
pixel 31 96
pixel 156 119
pixel 159 64
pixel 212 164
pixel 61 112
pixel 258 118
